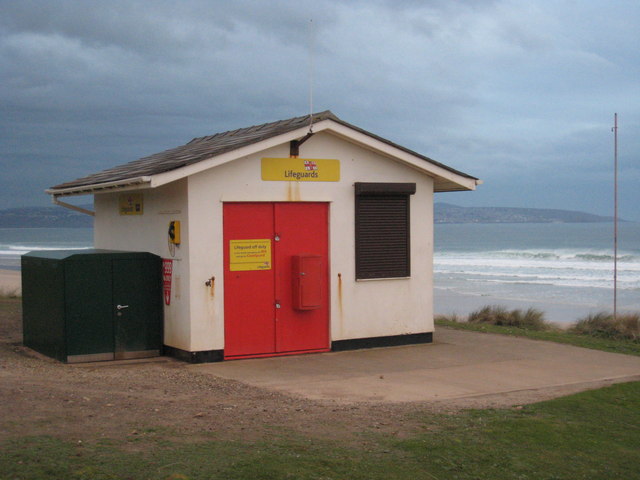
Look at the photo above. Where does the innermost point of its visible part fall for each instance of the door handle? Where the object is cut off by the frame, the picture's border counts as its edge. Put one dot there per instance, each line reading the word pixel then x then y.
pixel 121 307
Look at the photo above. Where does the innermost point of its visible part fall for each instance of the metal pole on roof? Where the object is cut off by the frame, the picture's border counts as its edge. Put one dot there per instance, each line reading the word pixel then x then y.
pixel 311 73
pixel 615 216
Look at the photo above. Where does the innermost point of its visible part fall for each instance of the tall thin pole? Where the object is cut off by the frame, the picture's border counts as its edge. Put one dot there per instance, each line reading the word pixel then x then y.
pixel 615 216
pixel 311 72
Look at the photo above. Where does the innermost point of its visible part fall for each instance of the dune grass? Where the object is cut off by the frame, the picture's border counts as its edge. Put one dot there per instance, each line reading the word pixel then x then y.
pixel 599 332
pixel 531 319
pixel 624 326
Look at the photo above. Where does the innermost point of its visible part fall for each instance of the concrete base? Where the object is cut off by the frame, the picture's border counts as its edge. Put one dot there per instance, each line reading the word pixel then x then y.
pixel 457 365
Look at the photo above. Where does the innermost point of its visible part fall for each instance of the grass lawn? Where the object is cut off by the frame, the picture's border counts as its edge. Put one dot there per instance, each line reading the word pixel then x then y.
pixel 628 347
pixel 591 435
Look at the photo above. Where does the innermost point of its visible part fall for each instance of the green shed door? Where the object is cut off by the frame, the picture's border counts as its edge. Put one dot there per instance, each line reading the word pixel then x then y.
pixel 137 307
pixel 89 327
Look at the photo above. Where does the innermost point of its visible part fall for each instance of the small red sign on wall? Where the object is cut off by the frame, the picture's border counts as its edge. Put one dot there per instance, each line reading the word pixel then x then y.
pixel 167 270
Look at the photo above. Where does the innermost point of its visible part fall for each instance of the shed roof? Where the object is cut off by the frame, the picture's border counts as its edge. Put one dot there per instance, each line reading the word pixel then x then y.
pixel 84 254
pixel 139 172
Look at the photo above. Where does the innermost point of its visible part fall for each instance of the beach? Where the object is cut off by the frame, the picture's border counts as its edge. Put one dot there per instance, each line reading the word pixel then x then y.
pixel 10 282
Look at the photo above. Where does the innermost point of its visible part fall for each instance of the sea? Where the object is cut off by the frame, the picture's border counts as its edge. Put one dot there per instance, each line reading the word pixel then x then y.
pixel 15 242
pixel 565 270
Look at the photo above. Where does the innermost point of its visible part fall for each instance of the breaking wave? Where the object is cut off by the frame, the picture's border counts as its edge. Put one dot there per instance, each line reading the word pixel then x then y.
pixel 578 268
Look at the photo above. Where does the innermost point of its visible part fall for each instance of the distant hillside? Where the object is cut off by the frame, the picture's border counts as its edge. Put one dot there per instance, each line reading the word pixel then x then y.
pixel 39 217
pixel 447 213
pixel 44 217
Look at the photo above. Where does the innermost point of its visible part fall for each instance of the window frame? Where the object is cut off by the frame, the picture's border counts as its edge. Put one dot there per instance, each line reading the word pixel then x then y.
pixel 367 250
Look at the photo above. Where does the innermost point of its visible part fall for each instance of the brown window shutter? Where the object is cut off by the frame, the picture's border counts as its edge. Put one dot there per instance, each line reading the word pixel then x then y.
pixel 382 233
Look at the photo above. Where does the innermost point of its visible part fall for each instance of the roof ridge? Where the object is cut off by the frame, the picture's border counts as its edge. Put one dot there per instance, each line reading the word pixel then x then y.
pixel 317 117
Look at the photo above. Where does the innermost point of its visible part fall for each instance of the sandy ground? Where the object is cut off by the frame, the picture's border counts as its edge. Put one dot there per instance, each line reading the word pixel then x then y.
pixel 40 396
pixel 10 282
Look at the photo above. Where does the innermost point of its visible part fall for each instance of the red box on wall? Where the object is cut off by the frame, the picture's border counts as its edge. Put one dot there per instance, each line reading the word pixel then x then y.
pixel 307 282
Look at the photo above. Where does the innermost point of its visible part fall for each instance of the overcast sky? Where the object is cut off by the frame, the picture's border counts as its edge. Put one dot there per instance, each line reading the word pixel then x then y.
pixel 518 93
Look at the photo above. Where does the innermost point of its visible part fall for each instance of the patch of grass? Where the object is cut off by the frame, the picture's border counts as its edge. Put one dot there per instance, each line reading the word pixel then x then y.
pixel 591 435
pixel 594 435
pixel 623 327
pixel 454 318
pixel 531 319
pixel 629 347
pixel 284 457
pixel 8 304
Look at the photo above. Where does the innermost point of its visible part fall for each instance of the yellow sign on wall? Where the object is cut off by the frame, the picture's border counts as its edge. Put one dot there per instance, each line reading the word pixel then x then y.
pixel 301 169
pixel 130 204
pixel 252 254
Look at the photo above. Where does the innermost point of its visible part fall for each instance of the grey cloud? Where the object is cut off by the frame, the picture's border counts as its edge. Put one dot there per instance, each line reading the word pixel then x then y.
pixel 519 94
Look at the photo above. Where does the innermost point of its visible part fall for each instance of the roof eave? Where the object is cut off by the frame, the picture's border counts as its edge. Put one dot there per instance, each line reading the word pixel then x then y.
pixel 134 183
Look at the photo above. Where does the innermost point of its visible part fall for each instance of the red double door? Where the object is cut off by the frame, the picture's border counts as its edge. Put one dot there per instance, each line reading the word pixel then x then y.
pixel 276 296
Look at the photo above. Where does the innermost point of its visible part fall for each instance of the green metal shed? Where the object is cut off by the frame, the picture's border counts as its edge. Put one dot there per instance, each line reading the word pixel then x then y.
pixel 92 305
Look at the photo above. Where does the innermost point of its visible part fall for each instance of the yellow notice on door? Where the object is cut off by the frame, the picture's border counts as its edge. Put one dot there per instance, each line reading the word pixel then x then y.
pixel 245 255
pixel 301 169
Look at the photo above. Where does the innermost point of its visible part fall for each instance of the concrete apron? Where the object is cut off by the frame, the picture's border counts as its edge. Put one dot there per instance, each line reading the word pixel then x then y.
pixel 457 365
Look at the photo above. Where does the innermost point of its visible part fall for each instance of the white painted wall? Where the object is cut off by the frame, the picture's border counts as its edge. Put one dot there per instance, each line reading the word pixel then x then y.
pixel 148 233
pixel 359 309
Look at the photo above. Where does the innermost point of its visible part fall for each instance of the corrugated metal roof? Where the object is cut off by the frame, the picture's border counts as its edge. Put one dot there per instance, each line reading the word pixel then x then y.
pixel 202 148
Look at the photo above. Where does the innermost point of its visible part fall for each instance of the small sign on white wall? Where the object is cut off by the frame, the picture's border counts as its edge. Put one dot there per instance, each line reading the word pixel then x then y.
pixel 131 204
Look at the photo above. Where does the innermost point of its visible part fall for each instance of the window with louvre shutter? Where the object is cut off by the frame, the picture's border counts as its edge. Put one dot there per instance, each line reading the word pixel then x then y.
pixel 383 230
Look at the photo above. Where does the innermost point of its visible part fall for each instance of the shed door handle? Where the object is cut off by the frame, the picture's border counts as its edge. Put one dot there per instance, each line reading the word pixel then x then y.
pixel 120 307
